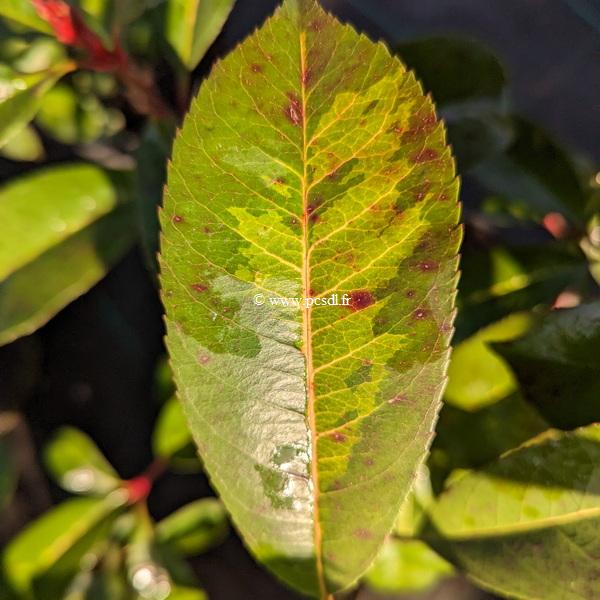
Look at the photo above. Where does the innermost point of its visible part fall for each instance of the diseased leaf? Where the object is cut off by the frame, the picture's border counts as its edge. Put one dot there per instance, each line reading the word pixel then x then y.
pixel 47 553
pixel 77 463
pixel 191 26
pixel 527 526
pixel 311 164
pixel 557 364
pixel 195 527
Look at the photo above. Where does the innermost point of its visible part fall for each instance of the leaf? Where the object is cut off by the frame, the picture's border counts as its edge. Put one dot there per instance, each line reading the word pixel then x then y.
pixel 455 69
pixel 191 26
pixel 22 12
pixel 64 233
pixel 527 525
pixel 311 164
pixel 24 146
pixel 535 170
pixel 172 438
pixel 48 551
pixel 195 527
pixel 467 439
pixel 557 364
pixel 505 280
pixel 406 566
pixel 477 376
pixel 21 96
pixel 77 464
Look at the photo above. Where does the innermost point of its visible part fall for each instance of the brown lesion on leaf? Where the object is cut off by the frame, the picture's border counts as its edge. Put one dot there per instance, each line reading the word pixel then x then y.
pixel 427 266
pixel 199 287
pixel 256 68
pixel 425 155
pixel 204 359
pixel 398 399
pixel 420 314
pixel 177 219
pixel 336 436
pixel 293 111
pixel 363 534
pixel 360 299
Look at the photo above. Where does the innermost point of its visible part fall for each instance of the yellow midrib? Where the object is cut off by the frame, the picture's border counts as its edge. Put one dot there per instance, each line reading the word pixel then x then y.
pixel 307 331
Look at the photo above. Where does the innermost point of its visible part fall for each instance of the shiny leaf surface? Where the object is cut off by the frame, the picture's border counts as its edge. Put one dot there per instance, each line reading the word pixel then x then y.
pixel 527 525
pixel 311 164
pixel 77 464
pixel 557 363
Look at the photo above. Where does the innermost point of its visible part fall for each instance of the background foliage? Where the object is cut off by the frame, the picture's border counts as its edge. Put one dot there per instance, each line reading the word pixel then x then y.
pixel 90 96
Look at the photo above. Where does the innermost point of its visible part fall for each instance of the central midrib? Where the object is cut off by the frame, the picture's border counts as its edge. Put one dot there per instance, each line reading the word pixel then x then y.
pixel 307 330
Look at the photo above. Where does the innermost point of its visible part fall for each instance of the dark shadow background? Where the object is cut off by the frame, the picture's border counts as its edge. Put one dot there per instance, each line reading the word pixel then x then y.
pixel 92 366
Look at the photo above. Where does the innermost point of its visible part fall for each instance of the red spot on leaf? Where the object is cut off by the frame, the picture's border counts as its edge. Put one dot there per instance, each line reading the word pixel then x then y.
pixel 336 436
pixel 306 74
pixel 360 299
pixel 420 314
pixel 204 359
pixel 294 110
pixel 427 266
pixel 398 399
pixel 363 534
pixel 425 155
pixel 410 294
pixel 256 68
pixel 198 287
pixel 177 219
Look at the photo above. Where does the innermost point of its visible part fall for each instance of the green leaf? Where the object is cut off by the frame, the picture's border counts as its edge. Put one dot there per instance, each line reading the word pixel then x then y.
pixel 48 552
pixel 557 364
pixel 22 11
pixel 172 437
pixel 194 528
pixel 537 172
pixel 311 164
pixel 455 69
pixel 24 146
pixel 477 376
pixel 67 234
pixel 527 525
pixel 77 464
pixel 467 439
pixel 191 26
pixel 406 566
pixel 21 96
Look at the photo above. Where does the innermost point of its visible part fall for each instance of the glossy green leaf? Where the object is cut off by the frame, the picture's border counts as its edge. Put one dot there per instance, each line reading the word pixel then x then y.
pixel 406 566
pixel 47 553
pixel 477 376
pixel 172 437
pixel 469 439
pixel 67 233
pixel 26 145
pixel 31 296
pixel 557 363
pixel 22 11
pixel 311 164
pixel 455 69
pixel 194 528
pixel 527 525
pixel 21 96
pixel 77 464
pixel 191 26
pixel 505 280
